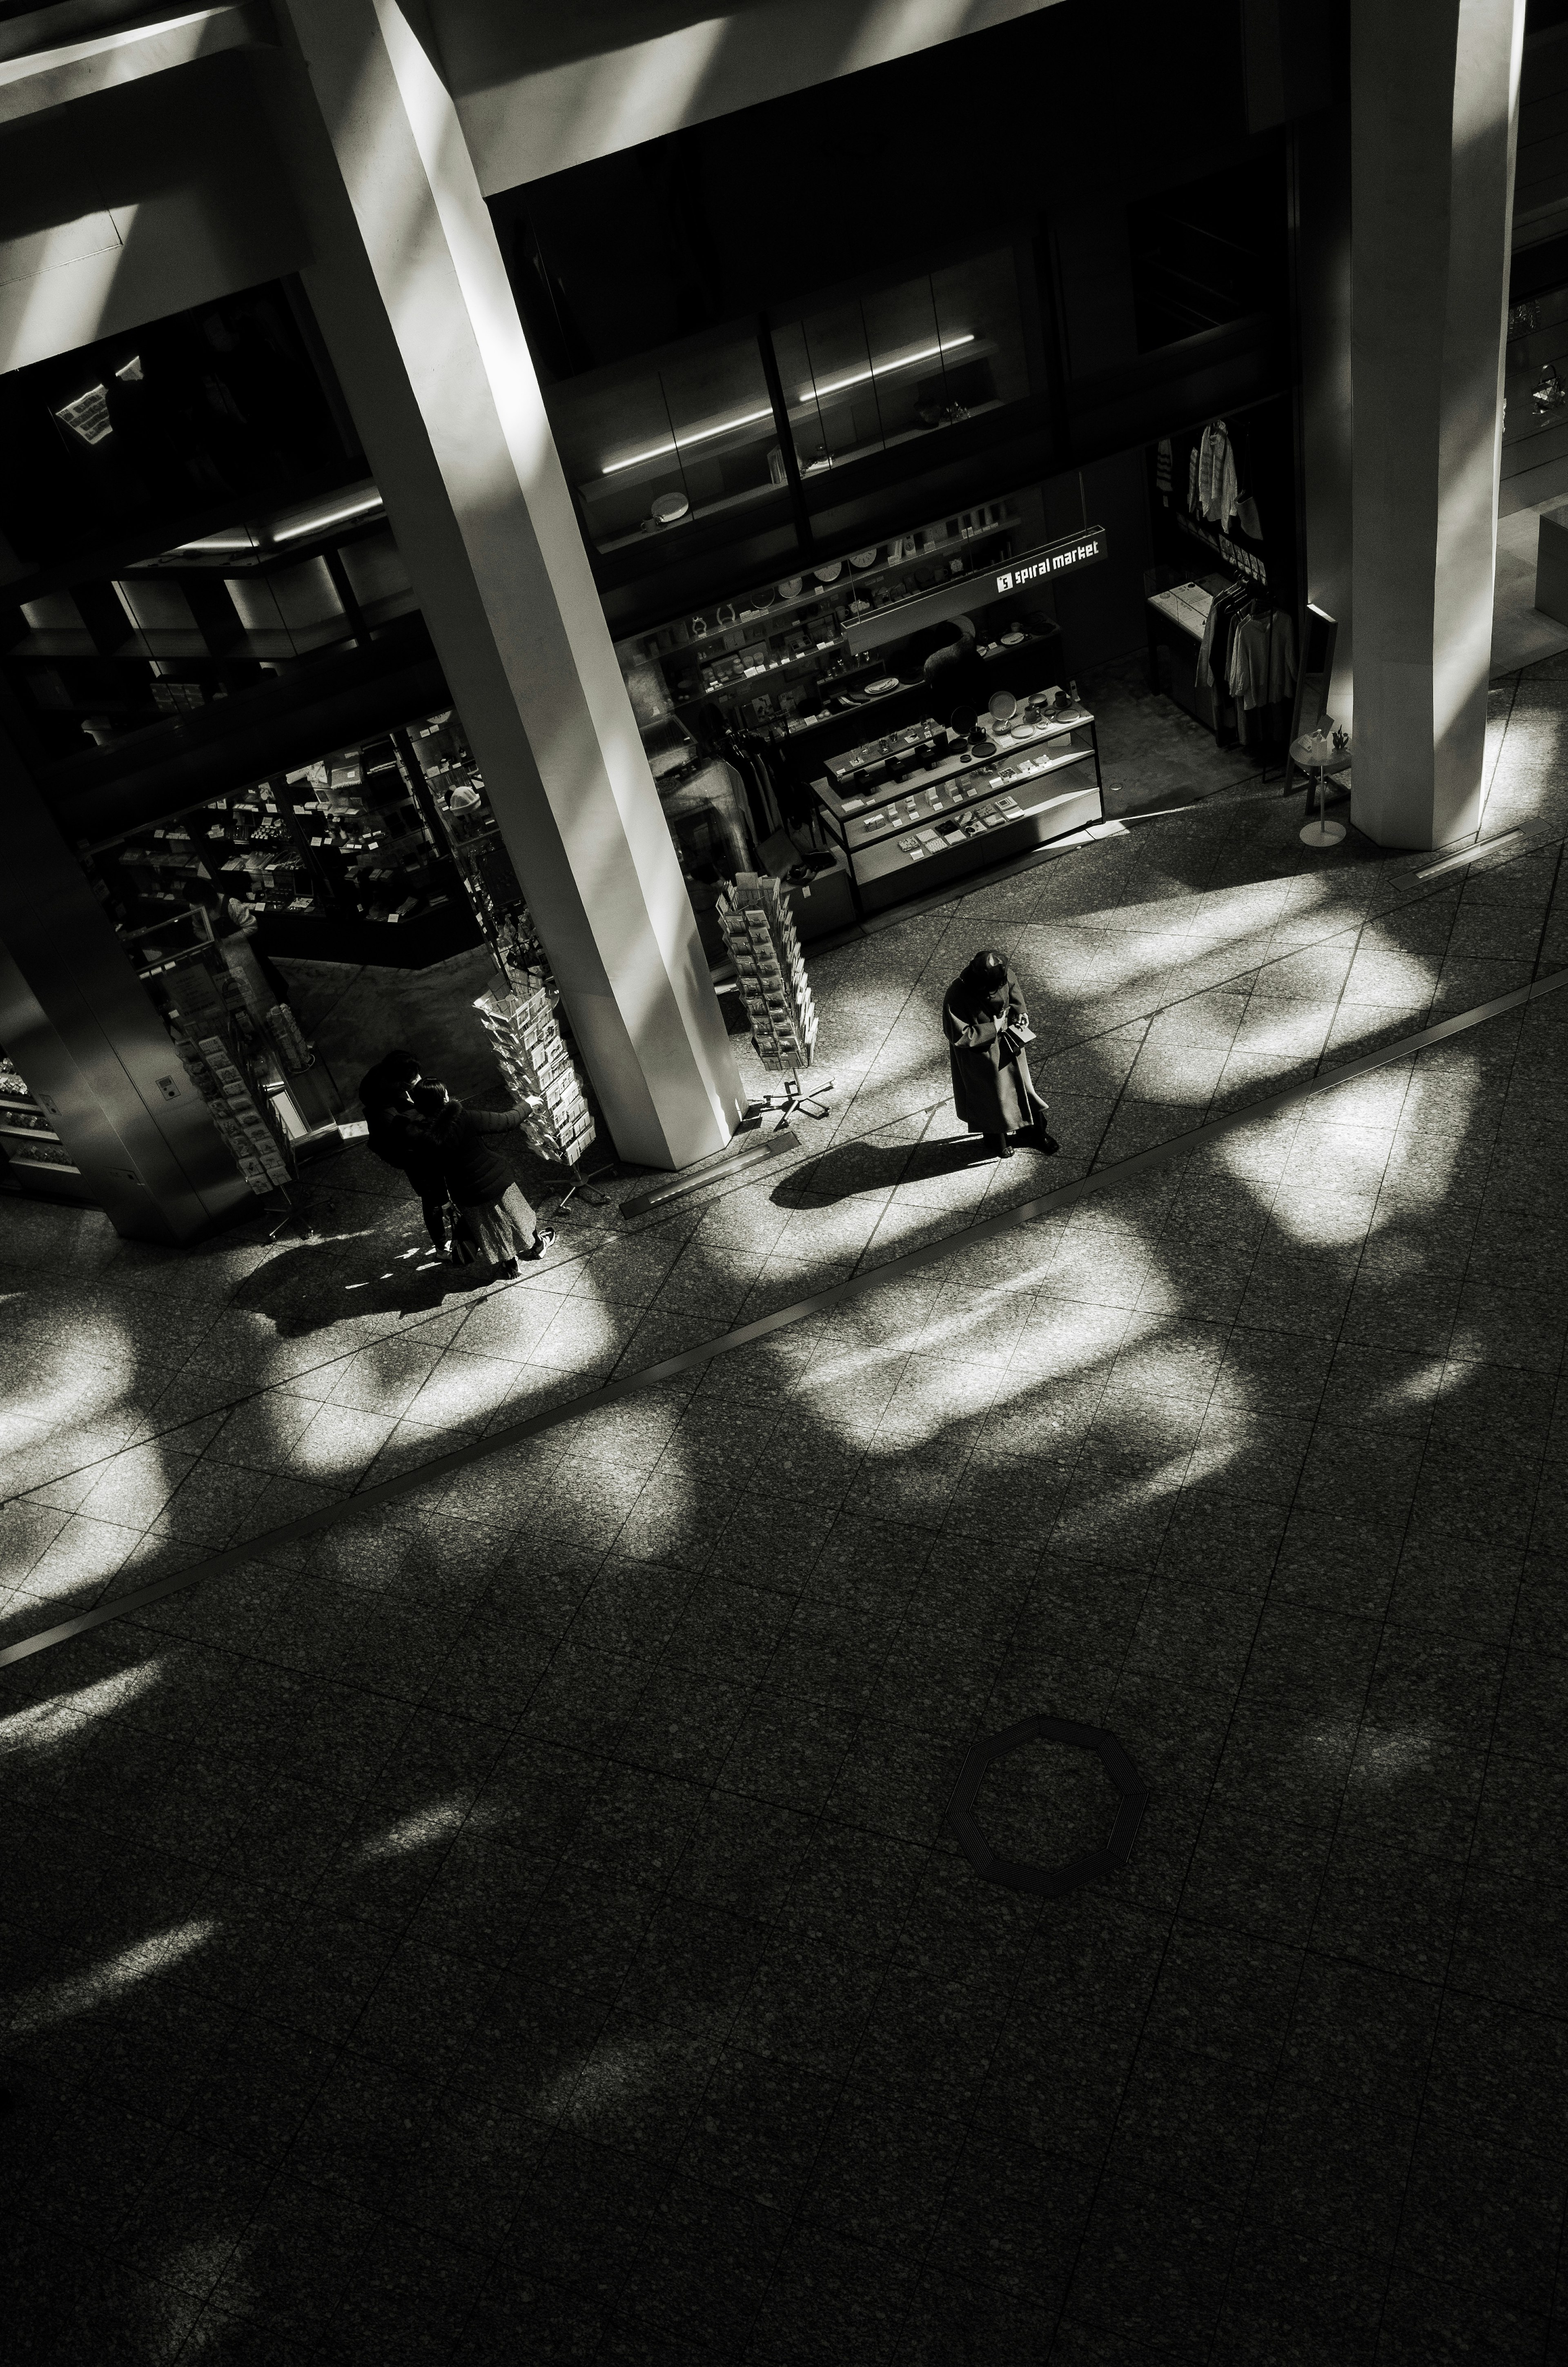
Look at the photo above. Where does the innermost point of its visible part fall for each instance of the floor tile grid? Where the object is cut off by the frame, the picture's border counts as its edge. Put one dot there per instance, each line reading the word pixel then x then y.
pixel 1305 1950
pixel 321 1364
pixel 466 1316
pixel 434 1443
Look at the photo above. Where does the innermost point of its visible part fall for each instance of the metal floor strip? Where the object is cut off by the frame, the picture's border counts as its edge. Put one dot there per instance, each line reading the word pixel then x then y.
pixel 421 1475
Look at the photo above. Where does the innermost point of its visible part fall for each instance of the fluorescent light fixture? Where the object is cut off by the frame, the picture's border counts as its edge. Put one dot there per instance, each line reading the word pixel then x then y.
pixel 879 370
pixel 333 517
pixel 809 394
pixel 680 443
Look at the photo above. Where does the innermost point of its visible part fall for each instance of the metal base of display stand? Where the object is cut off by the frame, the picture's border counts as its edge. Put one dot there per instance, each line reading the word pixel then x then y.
pixel 580 1188
pixel 794 1101
pixel 286 1215
pixel 1322 834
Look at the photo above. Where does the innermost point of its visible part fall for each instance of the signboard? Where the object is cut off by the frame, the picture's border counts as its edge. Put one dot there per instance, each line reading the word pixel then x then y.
pixel 1027 572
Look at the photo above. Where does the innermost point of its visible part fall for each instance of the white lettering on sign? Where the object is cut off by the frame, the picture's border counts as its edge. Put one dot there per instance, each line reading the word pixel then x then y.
pixel 1051 564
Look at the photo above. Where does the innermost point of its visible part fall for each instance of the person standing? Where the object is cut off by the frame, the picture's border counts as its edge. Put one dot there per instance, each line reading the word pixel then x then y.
pixel 494 1221
pixel 987 1028
pixel 388 1112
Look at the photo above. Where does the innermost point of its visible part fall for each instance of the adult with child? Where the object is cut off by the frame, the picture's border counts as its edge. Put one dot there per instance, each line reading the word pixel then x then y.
pixel 493 1220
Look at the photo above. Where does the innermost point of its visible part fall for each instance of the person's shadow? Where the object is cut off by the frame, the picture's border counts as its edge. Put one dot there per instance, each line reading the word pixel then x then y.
pixel 313 1285
pixel 852 1167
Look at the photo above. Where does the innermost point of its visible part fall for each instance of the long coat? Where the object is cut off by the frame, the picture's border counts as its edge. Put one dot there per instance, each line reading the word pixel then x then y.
pixel 993 1091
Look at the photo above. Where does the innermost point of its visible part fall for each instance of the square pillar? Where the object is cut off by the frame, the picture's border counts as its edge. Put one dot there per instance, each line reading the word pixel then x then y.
pixel 1435 111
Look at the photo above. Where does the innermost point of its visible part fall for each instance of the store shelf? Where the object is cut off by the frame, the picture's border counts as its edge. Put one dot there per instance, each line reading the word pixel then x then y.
pixel 30 1133
pixel 812 593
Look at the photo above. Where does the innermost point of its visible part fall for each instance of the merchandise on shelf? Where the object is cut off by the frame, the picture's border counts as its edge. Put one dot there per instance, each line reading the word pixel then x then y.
pixel 759 932
pixel 777 656
pixel 240 1107
pixel 27 1138
pixel 455 787
pixel 373 832
pixel 539 1070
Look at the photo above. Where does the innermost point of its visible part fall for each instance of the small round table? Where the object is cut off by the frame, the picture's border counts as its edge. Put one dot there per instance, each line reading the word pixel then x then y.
pixel 1314 752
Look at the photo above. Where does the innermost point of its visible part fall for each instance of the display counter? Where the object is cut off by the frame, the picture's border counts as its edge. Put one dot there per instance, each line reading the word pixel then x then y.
pixel 33 1158
pixel 920 806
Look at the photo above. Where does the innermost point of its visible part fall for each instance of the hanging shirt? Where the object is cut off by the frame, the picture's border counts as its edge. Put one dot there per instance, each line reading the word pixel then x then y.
pixel 1217 488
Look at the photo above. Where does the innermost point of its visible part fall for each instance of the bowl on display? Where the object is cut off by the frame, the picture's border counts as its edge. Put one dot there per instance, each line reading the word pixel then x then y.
pixel 790 588
pixel 883 684
pixel 1015 640
pixel 831 573
pixel 669 507
pixel 865 558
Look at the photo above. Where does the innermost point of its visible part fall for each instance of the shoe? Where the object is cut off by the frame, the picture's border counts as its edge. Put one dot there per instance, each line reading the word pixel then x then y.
pixel 542 1240
pixel 507 1269
pixel 1046 1143
pixel 998 1146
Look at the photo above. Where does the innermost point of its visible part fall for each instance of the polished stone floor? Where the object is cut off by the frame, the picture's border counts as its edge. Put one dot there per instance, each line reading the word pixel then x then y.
pixel 519 1923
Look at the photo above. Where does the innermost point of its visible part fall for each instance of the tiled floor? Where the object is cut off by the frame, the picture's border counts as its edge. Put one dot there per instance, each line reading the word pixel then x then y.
pixel 520 1923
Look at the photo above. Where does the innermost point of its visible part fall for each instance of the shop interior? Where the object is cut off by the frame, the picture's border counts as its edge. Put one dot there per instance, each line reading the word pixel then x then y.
pixel 896 671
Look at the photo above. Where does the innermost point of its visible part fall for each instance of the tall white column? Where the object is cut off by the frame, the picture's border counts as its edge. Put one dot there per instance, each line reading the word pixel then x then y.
pixel 1434 103
pixel 412 300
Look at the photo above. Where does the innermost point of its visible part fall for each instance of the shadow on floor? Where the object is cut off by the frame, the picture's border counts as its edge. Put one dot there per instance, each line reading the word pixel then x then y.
pixel 308 1290
pixel 853 1167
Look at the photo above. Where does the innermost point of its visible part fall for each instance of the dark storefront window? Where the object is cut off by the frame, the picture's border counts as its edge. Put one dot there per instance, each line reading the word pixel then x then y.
pixel 692 434
pixel 218 406
pixel 878 370
pixel 395 832
pixel 649 445
pixel 178 629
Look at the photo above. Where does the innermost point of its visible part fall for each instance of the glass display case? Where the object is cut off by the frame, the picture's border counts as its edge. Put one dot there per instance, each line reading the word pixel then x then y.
pixel 914 807
pixel 32 1157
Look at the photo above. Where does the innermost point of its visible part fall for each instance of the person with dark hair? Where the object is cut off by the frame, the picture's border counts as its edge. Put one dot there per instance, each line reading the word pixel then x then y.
pixel 987 1028
pixel 494 1221
pixel 384 1102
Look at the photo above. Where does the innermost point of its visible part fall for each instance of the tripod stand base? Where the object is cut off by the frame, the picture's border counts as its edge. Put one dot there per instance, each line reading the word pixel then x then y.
pixel 794 1101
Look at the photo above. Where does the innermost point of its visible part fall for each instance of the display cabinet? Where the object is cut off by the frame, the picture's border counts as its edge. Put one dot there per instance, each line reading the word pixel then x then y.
pixel 778 656
pixel 32 1157
pixel 920 806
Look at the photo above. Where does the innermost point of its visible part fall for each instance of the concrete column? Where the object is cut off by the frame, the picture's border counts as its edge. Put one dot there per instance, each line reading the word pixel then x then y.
pixel 1434 103
pixel 412 299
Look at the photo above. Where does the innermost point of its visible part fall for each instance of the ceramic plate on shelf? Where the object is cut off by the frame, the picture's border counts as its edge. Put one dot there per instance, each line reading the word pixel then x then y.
pixel 883 684
pixel 831 573
pixel 790 587
pixel 865 558
pixel 669 507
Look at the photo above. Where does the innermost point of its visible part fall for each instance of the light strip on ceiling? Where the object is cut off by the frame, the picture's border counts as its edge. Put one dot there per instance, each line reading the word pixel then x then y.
pixel 663 452
pixel 813 393
pixel 810 394
pixel 335 518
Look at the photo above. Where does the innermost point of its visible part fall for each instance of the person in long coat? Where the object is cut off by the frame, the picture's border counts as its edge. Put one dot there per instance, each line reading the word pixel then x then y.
pixel 493 1220
pixel 994 1094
